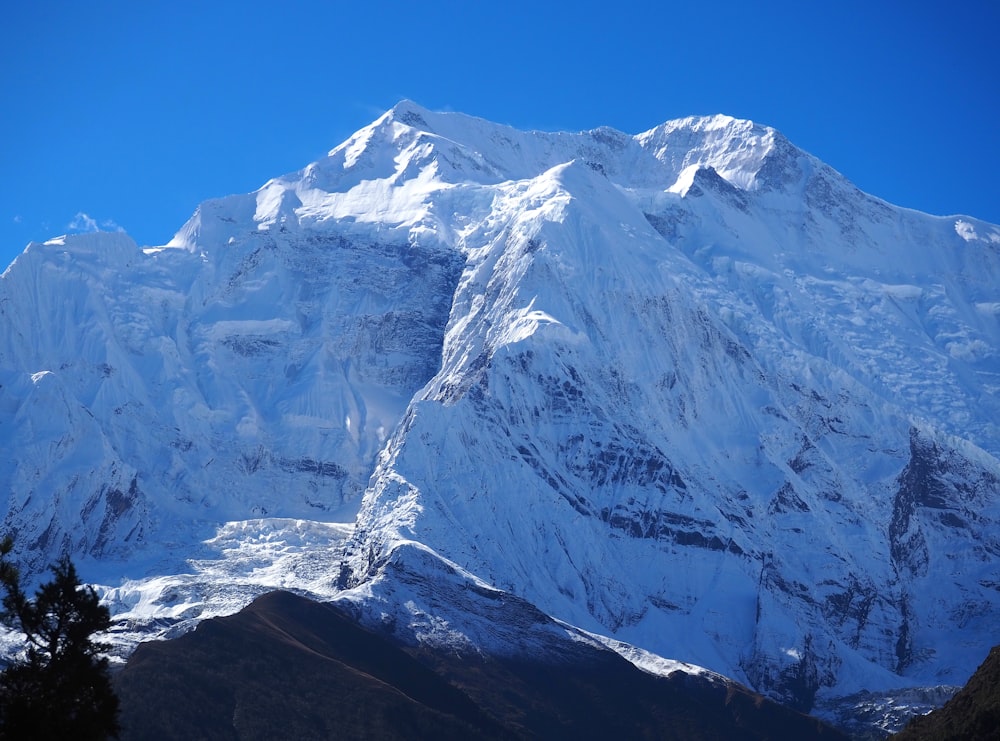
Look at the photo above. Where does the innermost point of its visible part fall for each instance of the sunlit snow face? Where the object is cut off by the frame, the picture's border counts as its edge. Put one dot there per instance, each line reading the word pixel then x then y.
pixel 967 231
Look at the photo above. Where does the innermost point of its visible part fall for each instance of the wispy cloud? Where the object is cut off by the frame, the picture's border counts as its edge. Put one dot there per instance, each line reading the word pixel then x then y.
pixel 18 219
pixel 83 222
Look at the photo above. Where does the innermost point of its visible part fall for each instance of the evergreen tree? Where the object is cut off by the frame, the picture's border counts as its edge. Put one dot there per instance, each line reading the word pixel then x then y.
pixel 61 688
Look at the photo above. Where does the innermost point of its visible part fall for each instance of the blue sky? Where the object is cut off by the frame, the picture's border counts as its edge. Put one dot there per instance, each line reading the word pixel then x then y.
pixel 128 115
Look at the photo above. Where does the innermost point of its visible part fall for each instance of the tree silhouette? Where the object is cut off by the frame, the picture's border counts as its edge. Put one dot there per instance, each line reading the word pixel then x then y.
pixel 61 687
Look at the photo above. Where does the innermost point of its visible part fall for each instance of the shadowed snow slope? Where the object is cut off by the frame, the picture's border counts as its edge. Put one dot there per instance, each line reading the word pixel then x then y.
pixel 690 389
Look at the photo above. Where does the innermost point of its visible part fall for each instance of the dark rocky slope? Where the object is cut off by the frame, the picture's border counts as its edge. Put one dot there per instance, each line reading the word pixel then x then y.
pixel 287 667
pixel 971 715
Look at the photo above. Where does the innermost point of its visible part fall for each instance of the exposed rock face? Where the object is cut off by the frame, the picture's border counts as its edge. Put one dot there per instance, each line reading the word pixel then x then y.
pixel 938 543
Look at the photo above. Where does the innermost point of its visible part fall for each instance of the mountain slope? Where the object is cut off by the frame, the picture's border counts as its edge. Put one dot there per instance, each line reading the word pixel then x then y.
pixel 972 714
pixel 286 667
pixel 697 410
pixel 689 389
pixel 153 392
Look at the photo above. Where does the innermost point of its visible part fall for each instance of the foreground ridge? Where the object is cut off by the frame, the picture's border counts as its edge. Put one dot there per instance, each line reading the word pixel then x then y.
pixel 339 679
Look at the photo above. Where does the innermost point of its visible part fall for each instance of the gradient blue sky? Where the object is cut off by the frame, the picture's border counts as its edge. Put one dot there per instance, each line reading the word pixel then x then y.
pixel 128 115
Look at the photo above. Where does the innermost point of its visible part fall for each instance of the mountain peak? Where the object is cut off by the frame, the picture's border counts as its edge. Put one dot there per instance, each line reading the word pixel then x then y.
pixel 410 113
pixel 105 248
pixel 735 148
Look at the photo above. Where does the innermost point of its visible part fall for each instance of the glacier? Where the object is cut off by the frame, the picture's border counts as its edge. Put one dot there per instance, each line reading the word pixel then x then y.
pixel 690 391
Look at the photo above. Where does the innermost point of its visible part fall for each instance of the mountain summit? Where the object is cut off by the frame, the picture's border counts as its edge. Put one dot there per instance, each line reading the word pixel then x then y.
pixel 690 390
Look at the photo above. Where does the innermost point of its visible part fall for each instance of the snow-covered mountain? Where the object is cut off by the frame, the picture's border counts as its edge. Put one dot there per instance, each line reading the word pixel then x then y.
pixel 690 390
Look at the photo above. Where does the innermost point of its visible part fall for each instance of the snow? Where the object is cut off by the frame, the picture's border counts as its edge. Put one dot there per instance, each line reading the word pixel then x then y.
pixel 663 387
pixel 967 231
pixel 243 560
pixel 684 180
